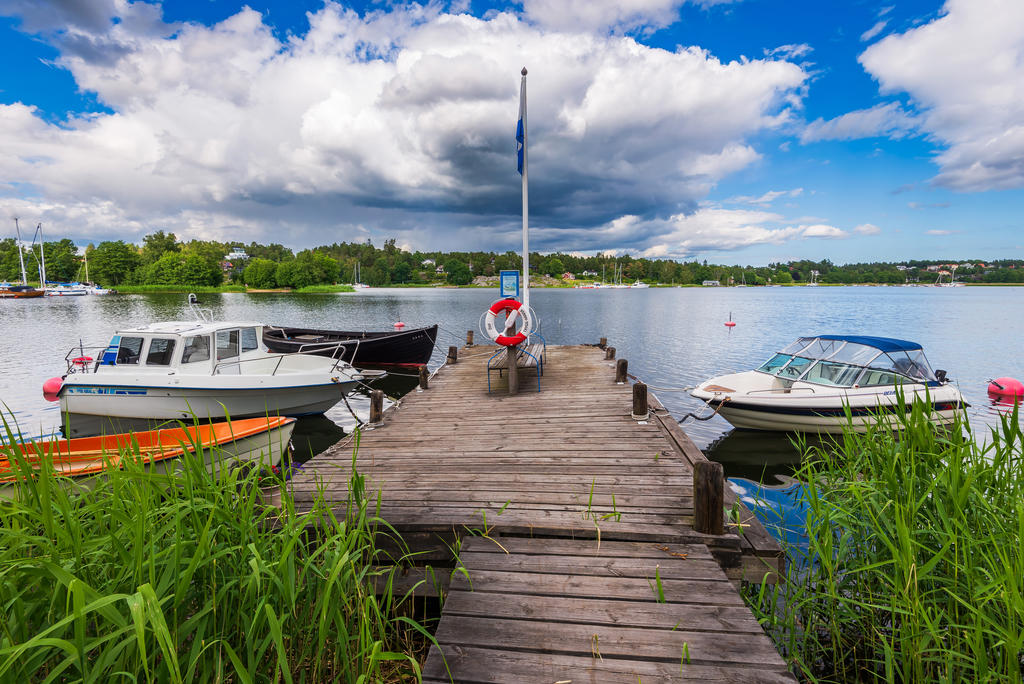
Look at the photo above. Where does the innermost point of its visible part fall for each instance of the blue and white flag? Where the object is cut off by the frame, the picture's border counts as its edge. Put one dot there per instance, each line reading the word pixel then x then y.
pixel 521 127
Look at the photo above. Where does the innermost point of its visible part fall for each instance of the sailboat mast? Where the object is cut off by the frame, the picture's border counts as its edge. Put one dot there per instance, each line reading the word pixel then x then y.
pixel 42 251
pixel 21 257
pixel 526 201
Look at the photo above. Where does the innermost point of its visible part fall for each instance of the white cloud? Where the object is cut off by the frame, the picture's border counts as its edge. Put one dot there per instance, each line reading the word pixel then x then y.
pixel 791 51
pixel 873 31
pixel 604 15
pixel 881 120
pixel 939 232
pixel 965 72
pixel 867 229
pixel 768 197
pixel 398 122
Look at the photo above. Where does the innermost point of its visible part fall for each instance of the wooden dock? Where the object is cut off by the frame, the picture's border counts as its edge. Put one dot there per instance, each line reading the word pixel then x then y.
pixel 577 520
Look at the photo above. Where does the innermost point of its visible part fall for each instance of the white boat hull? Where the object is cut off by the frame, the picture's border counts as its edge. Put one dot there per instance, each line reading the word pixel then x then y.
pixel 97 396
pixel 814 408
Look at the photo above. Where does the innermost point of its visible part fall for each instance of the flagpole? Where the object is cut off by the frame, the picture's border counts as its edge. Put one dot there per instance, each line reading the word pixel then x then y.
pixel 526 203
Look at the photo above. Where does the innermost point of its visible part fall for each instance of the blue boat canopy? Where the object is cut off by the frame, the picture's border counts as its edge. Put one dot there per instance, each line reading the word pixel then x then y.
pixel 886 344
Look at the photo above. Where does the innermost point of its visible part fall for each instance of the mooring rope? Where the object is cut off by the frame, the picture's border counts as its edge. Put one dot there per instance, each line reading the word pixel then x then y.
pixel 662 389
pixel 708 417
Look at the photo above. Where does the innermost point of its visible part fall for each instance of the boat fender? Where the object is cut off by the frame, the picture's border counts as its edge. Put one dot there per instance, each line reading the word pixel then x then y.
pixel 1006 387
pixel 51 387
pixel 514 310
pixel 399 325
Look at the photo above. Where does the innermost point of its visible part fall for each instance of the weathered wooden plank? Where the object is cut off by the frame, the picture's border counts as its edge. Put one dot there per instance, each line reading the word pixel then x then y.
pixel 591 611
pixel 470 665
pixel 714 592
pixel 704 648
pixel 644 568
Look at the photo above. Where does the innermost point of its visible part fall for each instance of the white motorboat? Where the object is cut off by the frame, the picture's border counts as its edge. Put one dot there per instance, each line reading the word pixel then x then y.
pixel 172 371
pixel 639 284
pixel 67 290
pixel 810 385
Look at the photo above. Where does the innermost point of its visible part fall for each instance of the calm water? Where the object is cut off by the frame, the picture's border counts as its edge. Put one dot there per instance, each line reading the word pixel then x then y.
pixel 673 338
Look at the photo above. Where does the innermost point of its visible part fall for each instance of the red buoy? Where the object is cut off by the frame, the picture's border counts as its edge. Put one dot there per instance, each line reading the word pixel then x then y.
pixel 730 323
pixel 1006 387
pixel 399 325
pixel 51 387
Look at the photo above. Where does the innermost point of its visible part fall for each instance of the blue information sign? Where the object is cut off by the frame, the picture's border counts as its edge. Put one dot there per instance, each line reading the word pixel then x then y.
pixel 508 284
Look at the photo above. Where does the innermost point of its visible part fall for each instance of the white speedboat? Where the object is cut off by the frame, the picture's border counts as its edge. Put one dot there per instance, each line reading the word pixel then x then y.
pixel 67 290
pixel 172 371
pixel 810 385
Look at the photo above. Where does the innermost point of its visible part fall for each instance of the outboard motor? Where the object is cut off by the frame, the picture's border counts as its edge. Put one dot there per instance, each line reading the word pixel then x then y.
pixel 940 375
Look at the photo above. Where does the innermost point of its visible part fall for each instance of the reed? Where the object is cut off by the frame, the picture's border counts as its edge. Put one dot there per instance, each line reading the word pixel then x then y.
pixel 178 289
pixel 191 577
pixel 324 289
pixel 914 565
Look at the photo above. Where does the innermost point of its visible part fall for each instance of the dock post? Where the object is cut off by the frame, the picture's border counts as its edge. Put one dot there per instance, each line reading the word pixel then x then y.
pixel 609 353
pixel 620 371
pixel 453 354
pixel 376 407
pixel 469 338
pixel 512 356
pixel 640 402
pixel 708 497
pixel 424 377
pixel 603 342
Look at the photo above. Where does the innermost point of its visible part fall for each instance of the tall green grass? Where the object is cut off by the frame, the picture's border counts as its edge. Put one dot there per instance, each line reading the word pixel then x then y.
pixel 178 289
pixel 915 563
pixel 324 289
pixel 191 577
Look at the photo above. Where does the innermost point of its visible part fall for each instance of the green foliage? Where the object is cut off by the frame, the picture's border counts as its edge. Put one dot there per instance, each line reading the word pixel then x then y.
pixel 379 275
pixel 10 266
pixel 458 272
pixel 915 561
pixel 292 274
pixel 155 245
pixel 112 262
pixel 191 577
pixel 552 266
pixel 261 274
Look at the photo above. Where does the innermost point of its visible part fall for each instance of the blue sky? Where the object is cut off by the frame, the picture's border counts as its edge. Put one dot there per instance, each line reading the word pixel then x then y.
pixel 738 131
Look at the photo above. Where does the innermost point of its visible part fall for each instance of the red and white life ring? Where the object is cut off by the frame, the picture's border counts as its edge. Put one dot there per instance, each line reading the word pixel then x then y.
pixel 514 310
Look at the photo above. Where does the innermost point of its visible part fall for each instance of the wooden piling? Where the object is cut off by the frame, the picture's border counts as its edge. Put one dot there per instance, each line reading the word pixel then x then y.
pixel 640 411
pixel 603 343
pixel 453 354
pixel 511 355
pixel 376 407
pixel 609 353
pixel 424 377
pixel 620 370
pixel 708 497
pixel 469 338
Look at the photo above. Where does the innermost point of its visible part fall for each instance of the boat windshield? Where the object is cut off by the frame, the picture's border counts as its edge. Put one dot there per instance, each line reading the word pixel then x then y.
pixel 831 373
pixel 795 368
pixel 912 365
pixel 775 363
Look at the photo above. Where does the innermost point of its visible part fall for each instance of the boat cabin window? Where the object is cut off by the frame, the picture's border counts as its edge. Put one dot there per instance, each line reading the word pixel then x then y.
pixel 830 373
pixel 899 362
pixel 249 340
pixel 874 378
pixel 822 349
pixel 161 349
pixel 857 354
pixel 795 368
pixel 129 350
pixel 227 344
pixel 797 346
pixel 197 348
pixel 775 363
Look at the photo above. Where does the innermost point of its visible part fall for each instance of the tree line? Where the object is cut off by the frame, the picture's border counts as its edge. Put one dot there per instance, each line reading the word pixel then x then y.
pixel 162 259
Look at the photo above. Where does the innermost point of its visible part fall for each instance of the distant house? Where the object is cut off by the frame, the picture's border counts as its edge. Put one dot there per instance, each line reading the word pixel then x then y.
pixel 427 262
pixel 236 254
pixel 711 283
pixel 588 274
pixel 568 276
pixel 439 270
pixel 933 268
pixel 901 267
